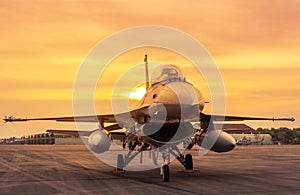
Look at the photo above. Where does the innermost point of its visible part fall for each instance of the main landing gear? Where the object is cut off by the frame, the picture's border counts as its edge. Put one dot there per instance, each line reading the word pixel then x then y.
pixel 188 164
pixel 124 160
pixel 185 160
pixel 120 164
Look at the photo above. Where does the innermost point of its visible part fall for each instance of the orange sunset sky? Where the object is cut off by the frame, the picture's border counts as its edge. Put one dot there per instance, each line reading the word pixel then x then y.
pixel 255 44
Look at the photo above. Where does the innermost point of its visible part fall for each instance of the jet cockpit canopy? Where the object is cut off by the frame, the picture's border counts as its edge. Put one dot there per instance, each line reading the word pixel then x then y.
pixel 167 73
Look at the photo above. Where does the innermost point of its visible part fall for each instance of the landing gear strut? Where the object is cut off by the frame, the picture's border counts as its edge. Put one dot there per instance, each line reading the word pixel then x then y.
pixel 186 161
pixel 120 164
pixel 124 160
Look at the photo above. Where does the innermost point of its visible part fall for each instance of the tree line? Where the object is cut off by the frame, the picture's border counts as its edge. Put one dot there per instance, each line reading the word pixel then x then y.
pixel 282 135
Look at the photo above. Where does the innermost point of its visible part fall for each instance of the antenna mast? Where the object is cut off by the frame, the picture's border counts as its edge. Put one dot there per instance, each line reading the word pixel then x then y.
pixel 147 73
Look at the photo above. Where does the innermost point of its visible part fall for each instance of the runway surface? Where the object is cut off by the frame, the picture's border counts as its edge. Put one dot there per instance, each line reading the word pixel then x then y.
pixel 74 170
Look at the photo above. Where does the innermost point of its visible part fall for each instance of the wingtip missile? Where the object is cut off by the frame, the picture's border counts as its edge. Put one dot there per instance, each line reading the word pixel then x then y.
pixel 14 119
pixel 292 119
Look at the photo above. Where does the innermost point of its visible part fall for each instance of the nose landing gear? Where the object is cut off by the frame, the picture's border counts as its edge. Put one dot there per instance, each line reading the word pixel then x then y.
pixel 165 173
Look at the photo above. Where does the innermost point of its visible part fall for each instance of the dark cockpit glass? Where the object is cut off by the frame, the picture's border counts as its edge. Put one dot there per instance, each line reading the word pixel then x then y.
pixel 167 73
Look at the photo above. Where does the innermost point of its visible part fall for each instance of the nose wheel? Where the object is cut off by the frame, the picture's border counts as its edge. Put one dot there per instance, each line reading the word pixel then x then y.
pixel 166 173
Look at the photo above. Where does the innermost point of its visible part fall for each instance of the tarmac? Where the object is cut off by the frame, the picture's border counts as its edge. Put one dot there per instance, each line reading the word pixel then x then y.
pixel 57 169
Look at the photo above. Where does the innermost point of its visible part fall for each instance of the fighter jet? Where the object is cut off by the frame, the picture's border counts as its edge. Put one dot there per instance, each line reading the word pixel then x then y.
pixel 162 119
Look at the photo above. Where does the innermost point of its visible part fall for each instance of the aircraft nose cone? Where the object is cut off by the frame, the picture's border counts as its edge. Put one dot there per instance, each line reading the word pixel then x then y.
pixel 179 93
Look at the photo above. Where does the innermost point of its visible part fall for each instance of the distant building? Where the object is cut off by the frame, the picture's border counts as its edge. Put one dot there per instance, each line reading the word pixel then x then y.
pixel 66 137
pixel 242 133
pixel 236 128
pixel 48 138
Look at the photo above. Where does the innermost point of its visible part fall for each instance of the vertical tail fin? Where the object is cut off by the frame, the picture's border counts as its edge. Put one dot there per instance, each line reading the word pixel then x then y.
pixel 147 73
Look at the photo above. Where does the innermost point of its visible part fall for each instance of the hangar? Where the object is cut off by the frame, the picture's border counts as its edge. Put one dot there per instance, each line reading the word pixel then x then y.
pixel 243 132
pixel 48 138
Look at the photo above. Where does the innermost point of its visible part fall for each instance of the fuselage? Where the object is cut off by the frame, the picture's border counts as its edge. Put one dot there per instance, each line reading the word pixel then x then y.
pixel 173 102
pixel 172 97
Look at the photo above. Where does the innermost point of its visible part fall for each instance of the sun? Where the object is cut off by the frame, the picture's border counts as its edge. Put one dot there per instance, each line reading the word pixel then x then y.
pixel 137 94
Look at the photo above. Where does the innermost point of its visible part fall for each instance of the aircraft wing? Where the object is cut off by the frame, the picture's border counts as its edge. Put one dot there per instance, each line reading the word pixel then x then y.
pixel 108 118
pixel 239 118
pixel 116 134
pixel 70 132
pixel 115 130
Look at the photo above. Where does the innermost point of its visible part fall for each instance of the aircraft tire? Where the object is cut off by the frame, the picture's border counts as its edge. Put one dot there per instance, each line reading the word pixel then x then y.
pixel 166 173
pixel 189 162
